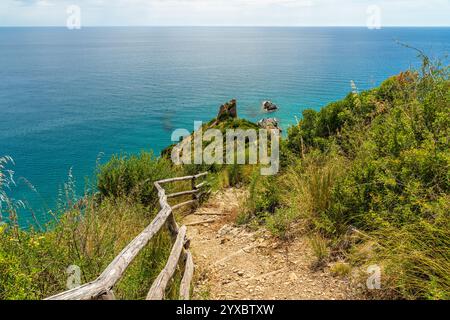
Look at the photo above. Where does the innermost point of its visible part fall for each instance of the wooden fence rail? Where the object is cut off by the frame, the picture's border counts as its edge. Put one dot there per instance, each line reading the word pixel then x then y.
pixel 102 287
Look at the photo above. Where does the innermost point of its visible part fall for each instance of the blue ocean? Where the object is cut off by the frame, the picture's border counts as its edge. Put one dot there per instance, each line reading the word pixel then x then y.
pixel 70 98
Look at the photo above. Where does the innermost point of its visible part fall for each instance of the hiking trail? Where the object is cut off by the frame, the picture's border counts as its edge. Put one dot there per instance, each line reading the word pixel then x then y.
pixel 236 263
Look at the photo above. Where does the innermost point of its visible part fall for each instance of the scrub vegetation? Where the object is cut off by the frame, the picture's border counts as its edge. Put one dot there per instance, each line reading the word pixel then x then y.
pixel 366 177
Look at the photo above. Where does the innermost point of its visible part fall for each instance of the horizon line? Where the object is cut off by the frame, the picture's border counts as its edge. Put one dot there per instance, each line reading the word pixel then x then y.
pixel 227 26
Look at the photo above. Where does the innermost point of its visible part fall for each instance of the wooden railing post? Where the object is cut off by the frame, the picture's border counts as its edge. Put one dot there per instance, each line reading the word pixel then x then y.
pixel 194 195
pixel 187 277
pixel 159 285
pixel 172 226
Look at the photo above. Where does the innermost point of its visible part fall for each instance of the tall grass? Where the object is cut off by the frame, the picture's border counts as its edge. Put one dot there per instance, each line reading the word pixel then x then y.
pixel 378 162
pixel 319 248
pixel 416 259
pixel 8 205
pixel 307 186
pixel 33 264
pixel 89 234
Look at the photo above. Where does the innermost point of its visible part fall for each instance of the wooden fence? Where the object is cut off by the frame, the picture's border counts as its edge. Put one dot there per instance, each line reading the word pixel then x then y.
pixel 102 287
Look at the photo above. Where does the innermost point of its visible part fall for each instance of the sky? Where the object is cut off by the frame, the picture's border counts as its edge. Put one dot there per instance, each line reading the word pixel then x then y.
pixel 227 12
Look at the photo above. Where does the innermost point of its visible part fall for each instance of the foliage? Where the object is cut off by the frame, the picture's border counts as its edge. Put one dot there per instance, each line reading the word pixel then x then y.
pixel 263 195
pixel 33 264
pixel 281 223
pixel 89 233
pixel 8 205
pixel 133 176
pixel 379 161
pixel 320 248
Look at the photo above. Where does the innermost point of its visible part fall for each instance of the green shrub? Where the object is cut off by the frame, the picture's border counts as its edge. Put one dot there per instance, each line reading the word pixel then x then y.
pixel 416 258
pixel 393 179
pixel 33 264
pixel 281 223
pixel 319 245
pixel 307 188
pixel 264 196
pixel 133 176
pixel 340 269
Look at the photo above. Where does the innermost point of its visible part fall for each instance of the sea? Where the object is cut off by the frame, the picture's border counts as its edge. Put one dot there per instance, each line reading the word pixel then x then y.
pixel 70 99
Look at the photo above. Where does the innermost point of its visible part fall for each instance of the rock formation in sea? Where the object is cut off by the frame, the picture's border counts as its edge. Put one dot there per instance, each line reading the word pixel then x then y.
pixel 228 110
pixel 269 106
pixel 269 123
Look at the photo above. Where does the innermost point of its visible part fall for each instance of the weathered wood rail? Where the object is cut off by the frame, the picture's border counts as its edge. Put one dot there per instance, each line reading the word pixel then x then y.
pixel 102 287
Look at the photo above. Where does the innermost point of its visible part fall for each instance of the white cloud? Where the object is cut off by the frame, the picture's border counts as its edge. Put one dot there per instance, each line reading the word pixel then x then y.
pixel 225 12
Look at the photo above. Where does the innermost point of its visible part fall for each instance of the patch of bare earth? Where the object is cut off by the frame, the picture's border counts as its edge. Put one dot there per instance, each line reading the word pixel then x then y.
pixel 234 263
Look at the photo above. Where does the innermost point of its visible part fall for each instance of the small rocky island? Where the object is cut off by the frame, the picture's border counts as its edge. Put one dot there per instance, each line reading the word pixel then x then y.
pixel 269 123
pixel 269 106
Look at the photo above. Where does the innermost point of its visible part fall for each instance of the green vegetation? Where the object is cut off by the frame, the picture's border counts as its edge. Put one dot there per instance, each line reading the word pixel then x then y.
pixel 133 177
pixel 367 178
pixel 91 231
pixel 373 171
pixel 33 263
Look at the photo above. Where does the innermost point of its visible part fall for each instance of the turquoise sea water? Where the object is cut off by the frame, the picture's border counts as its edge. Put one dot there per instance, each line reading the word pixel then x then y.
pixel 68 96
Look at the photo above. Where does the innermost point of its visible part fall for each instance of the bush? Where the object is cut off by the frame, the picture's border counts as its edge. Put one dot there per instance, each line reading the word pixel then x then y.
pixel 340 269
pixel 379 161
pixel 307 188
pixel 133 176
pixel 320 249
pixel 416 259
pixel 281 223
pixel 264 196
pixel 33 264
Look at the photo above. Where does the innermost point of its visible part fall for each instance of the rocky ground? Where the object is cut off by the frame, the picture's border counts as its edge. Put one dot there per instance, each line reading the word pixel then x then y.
pixel 234 262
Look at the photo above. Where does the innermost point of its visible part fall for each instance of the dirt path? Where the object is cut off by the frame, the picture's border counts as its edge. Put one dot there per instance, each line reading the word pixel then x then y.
pixel 235 263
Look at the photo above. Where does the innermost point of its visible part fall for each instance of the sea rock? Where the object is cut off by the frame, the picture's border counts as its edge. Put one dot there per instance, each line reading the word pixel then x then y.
pixel 228 110
pixel 269 123
pixel 269 106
